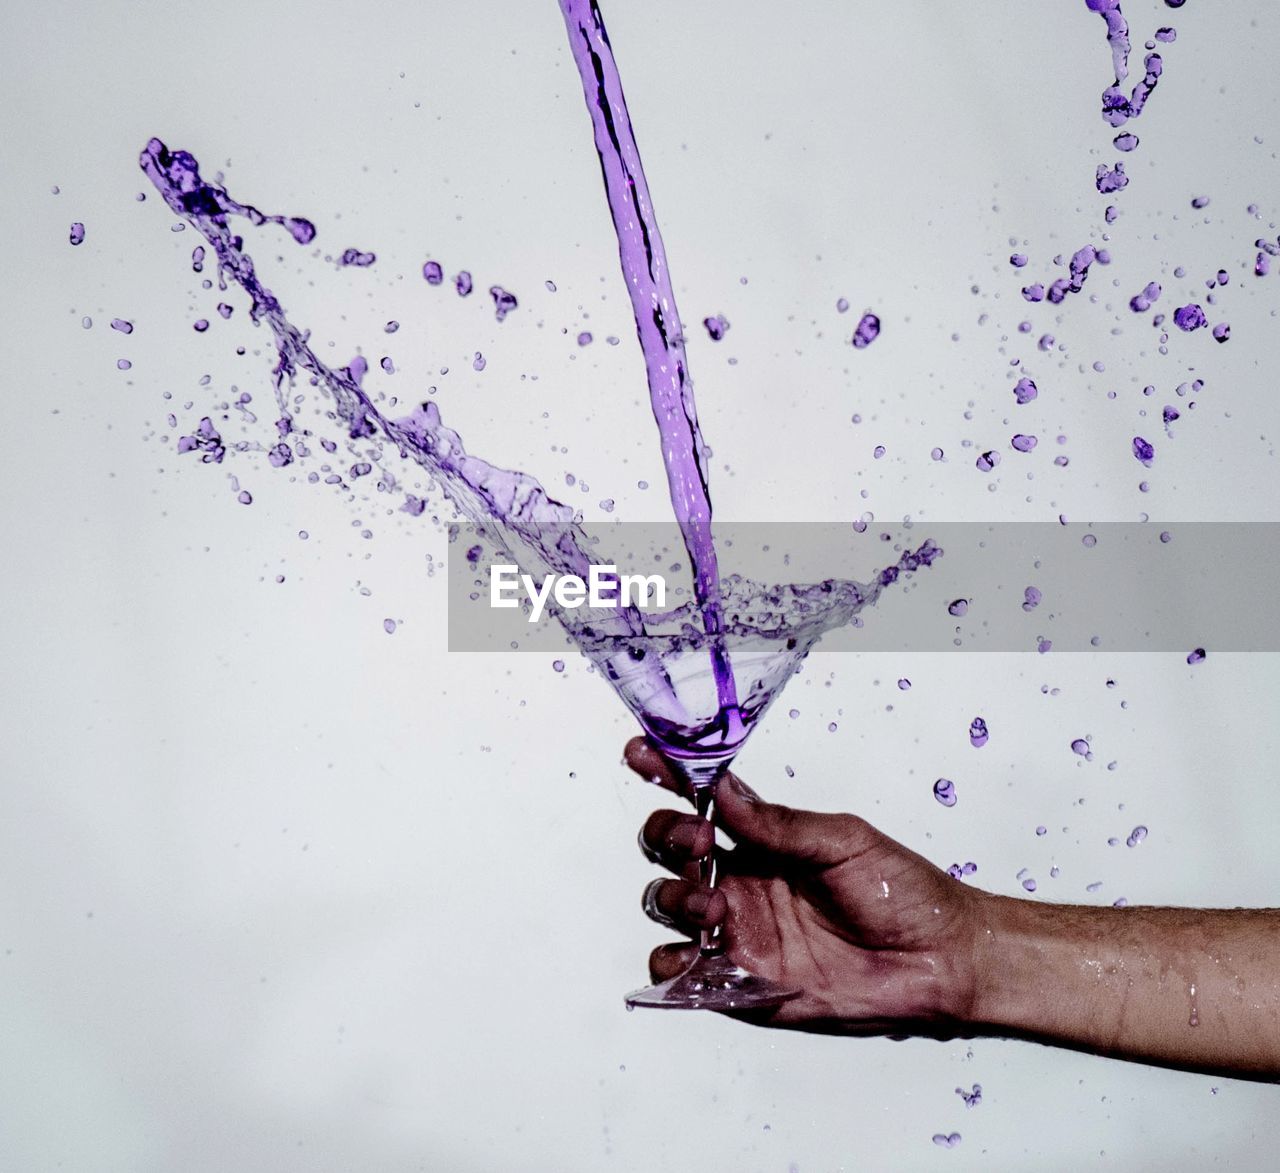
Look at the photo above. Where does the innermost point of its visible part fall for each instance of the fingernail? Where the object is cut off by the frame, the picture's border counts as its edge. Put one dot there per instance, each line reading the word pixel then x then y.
pixel 697 904
pixel 741 789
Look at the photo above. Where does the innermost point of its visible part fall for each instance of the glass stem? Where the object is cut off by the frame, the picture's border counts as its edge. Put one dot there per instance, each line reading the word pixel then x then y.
pixel 704 799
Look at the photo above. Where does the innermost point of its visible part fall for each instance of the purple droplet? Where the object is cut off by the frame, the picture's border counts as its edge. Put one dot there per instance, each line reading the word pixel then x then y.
pixel 1221 332
pixel 1110 179
pixel 303 231
pixel 1017 260
pixel 224 310
pixel 1143 451
pixel 948 1140
pixel 1024 391
pixel 121 325
pixel 478 363
pixel 842 305
pixel 716 326
pixel 904 684
pixel 1189 317
pixel 1125 142
pixel 1030 599
pixel 1023 443
pixel 76 235
pixel 866 332
pixel 504 301
pixel 1081 747
pixel 1136 836
pixel 1140 302
pixel 389 626
pixel 584 338
pixel 353 256
pixel 958 607
pixel 387 365
pixel 1200 202
pixel 433 273
pixel 391 327
pixel 244 497
pixel 978 735
pixel 200 325
pixel 944 791
pixel 123 364
pixel 987 461
pixel 1196 656
pixel 463 284
pixel 557 665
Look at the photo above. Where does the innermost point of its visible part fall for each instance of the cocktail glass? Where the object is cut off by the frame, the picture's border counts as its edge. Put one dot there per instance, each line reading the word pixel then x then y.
pixel 669 685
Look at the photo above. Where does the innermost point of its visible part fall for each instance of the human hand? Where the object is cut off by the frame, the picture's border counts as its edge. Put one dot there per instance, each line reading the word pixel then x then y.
pixel 877 939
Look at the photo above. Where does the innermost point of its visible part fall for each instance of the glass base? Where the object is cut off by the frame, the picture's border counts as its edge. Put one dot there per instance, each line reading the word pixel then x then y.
pixel 712 982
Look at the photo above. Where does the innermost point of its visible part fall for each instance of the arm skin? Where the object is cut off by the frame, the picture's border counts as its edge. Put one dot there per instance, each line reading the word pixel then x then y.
pixel 880 941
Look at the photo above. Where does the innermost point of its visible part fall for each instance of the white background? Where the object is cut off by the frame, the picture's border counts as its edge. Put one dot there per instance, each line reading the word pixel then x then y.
pixel 279 891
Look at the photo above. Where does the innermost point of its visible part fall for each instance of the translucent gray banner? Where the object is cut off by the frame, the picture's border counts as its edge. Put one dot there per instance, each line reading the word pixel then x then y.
pixel 999 587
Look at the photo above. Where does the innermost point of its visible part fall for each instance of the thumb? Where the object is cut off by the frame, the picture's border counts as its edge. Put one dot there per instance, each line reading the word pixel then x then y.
pixel 803 836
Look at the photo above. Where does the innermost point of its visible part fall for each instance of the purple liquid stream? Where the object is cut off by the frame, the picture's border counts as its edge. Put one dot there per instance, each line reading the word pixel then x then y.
pixel 644 265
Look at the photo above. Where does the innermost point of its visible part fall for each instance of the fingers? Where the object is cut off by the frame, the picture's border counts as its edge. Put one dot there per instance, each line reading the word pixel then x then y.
pixel 685 906
pixel 666 961
pixel 675 840
pixel 653 767
pixel 803 836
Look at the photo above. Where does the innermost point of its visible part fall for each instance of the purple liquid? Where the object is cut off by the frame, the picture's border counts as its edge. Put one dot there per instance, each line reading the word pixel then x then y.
pixel 644 265
pixel 775 627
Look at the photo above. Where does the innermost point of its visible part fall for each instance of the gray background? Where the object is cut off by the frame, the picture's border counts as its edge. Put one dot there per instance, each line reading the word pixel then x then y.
pixel 280 891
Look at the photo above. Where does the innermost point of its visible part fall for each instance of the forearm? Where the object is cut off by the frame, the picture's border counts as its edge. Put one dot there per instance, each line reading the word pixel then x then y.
pixel 1189 988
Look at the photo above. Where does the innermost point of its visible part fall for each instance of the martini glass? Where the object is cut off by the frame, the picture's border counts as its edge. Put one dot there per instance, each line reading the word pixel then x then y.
pixel 670 687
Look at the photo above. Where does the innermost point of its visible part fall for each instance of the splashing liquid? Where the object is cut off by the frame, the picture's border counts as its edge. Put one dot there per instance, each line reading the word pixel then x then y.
pixel 779 624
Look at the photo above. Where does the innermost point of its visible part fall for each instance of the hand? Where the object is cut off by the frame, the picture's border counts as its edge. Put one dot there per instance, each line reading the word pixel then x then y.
pixel 877 939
